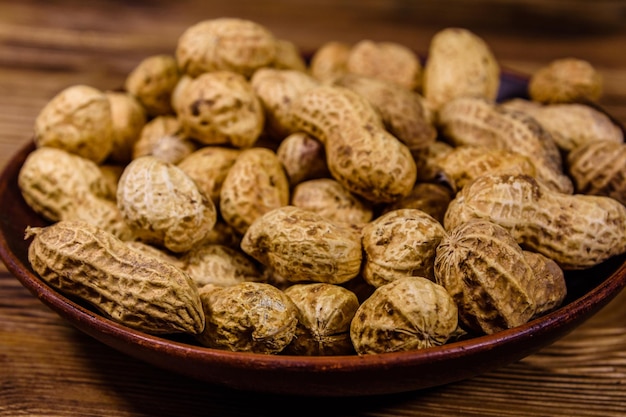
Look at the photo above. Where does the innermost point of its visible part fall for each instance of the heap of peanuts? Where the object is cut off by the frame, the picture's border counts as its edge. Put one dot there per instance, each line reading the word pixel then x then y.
pixel 360 202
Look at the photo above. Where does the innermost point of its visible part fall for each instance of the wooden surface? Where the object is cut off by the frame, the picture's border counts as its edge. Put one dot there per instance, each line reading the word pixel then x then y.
pixel 47 368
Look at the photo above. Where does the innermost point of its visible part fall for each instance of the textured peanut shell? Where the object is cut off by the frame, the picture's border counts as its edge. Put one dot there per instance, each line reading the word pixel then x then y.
pixel 78 120
pixel 324 315
pixel 548 288
pixel 152 82
pixel 219 265
pixel 465 163
pixel 255 184
pixel 137 290
pixel 100 212
pixel 300 245
pixel 576 231
pixel 163 205
pixel 162 137
pixel 460 64
pixel 477 122
pixel 599 168
pixel 402 110
pixel 51 179
pixel 485 271
pixel 230 44
pixel 570 124
pixel 389 61
pixel 128 118
pixel 221 108
pixel 398 244
pixel 277 89
pixel 288 56
pixel 329 60
pixel 330 199
pixel 360 153
pixel 208 167
pixel 247 317
pixel 303 158
pixel 407 314
pixel 431 198
pixel 566 80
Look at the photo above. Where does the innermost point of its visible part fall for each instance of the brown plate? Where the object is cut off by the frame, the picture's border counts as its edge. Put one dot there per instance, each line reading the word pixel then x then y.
pixel 355 375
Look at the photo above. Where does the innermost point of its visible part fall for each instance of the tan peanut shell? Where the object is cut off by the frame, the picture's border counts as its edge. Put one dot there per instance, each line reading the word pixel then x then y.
pixel 324 315
pixel 255 184
pixel 208 167
pixel 330 199
pixel 477 122
pixel 576 231
pixel 402 110
pixel 398 244
pixel 485 271
pixel 153 81
pixel 247 317
pixel 303 158
pixel 329 60
pixel 570 124
pixel 465 163
pixel 221 107
pixel 137 290
pixel 230 44
pixel 276 90
pixel 162 137
pixel 566 80
pixel 288 56
pixel 431 198
pixel 389 61
pixel 548 287
pixel 360 153
pixel 78 120
pixel 219 265
pixel 459 64
pixel 163 205
pixel 599 168
pixel 128 118
pixel 407 314
pixel 300 245
pixel 50 180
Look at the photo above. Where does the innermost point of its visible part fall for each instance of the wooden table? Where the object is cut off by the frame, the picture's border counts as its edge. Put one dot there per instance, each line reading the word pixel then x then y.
pixel 47 368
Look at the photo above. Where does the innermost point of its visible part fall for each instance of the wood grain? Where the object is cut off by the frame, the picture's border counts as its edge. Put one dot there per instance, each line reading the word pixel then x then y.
pixel 48 368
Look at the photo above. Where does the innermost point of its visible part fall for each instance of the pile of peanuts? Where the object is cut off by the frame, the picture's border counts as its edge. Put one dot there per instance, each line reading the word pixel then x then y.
pixel 360 202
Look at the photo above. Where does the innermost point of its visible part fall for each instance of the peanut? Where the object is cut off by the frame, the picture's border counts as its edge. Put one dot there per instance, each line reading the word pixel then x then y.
pixel 331 200
pixel 303 158
pixel 152 82
pixel 128 118
pixel 566 80
pixel 402 110
pixel 389 61
pixel 476 122
pixel 460 64
pixel 570 124
pixel 229 44
pixel 162 138
pixel 324 315
pixel 300 245
pixel 221 107
pixel 140 291
pixel 255 184
pixel 407 314
pixel 576 231
pixel 360 153
pixel 247 317
pixel 398 244
pixel 329 61
pixel 288 56
pixel 163 205
pixel 433 199
pixel 599 168
pixel 78 120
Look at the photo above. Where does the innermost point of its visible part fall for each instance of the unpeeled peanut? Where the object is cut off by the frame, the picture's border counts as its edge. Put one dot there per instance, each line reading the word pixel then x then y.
pixel 576 231
pixel 360 153
pixel 153 81
pixel 163 205
pixel 138 290
pixel 300 245
pixel 566 80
